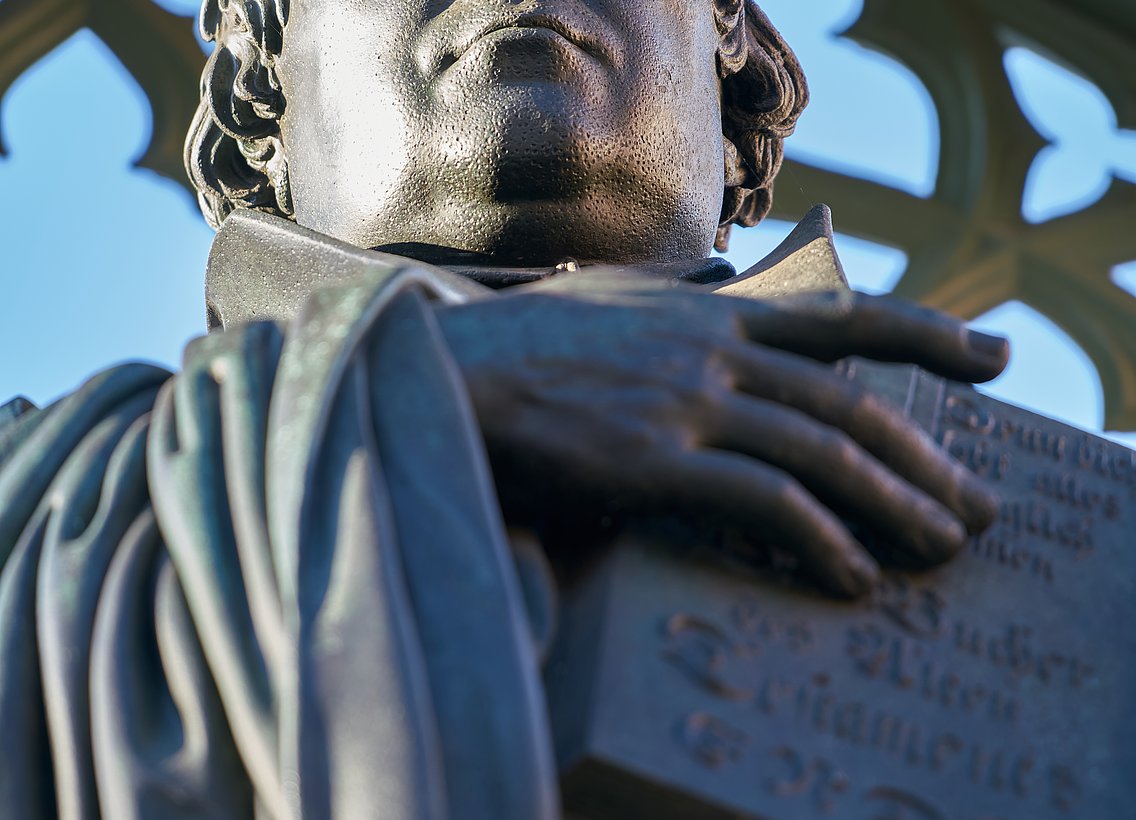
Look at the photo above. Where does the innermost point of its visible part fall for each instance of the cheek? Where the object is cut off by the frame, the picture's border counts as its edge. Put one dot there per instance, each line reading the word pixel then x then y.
pixel 701 97
pixel 677 62
pixel 680 80
pixel 345 125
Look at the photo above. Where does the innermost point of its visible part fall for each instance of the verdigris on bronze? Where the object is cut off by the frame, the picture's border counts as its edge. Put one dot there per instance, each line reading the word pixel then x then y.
pixel 279 582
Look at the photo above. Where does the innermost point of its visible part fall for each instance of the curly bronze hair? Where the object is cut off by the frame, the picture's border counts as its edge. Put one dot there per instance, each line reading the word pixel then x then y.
pixel 235 158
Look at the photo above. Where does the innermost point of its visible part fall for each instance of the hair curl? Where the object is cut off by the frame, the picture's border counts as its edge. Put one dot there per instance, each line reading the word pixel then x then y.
pixel 235 158
pixel 233 153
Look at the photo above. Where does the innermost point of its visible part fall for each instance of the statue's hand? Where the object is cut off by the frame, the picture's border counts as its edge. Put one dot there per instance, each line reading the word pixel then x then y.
pixel 721 407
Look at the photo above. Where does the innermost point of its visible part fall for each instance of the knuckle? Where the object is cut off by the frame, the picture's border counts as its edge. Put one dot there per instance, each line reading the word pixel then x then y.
pixel 704 402
pixel 793 500
pixel 868 404
pixel 843 451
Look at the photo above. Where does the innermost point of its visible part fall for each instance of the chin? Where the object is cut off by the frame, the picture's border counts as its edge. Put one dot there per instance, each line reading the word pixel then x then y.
pixel 599 229
pixel 535 149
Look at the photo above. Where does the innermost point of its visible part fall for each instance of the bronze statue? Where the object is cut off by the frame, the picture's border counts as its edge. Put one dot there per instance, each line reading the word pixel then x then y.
pixel 278 583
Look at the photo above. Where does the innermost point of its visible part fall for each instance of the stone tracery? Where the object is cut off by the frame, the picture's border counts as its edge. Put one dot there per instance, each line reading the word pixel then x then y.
pixel 969 247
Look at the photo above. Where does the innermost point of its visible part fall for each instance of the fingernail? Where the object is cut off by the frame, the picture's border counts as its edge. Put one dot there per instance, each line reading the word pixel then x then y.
pixel 985 504
pixel 986 344
pixel 951 538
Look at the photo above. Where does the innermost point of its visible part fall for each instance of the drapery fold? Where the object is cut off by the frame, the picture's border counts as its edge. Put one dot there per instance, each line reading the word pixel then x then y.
pixel 276 584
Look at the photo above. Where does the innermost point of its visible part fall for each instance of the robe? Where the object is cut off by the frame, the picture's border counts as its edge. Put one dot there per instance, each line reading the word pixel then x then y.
pixel 277 584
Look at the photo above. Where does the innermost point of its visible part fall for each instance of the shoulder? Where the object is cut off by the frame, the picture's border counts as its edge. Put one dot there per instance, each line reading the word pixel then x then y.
pixel 79 433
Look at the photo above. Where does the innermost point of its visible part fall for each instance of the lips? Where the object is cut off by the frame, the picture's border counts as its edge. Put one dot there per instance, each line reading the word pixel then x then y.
pixel 566 29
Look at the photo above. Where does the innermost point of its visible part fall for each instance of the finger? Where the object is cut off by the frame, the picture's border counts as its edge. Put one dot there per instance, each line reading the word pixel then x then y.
pixel 880 429
pixel 766 503
pixel 833 467
pixel 830 326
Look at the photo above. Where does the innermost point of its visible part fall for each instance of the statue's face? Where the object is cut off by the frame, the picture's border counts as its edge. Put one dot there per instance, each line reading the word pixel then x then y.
pixel 526 130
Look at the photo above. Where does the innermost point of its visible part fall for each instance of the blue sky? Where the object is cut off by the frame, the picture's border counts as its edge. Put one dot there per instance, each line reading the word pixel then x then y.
pixel 103 262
